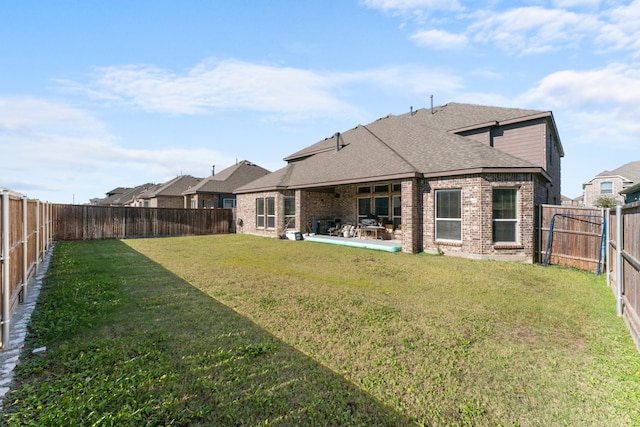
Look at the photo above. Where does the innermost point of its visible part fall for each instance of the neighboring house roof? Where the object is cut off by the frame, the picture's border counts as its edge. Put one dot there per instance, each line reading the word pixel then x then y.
pixel 118 190
pixel 227 180
pixel 418 143
pixel 629 172
pixel 174 187
pixel 125 197
pixel 632 189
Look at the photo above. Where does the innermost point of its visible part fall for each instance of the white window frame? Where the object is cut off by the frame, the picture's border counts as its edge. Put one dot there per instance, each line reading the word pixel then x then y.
pixel 447 219
pixel 604 190
pixel 515 221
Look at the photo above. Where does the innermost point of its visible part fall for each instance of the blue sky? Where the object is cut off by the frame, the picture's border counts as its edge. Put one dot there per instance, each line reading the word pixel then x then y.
pixel 97 95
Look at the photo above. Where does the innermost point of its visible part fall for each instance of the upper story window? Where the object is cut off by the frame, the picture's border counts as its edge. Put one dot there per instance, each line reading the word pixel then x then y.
pixel 606 187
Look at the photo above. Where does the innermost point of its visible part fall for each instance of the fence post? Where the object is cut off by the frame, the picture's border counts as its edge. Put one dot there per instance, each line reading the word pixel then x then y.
pixel 25 247
pixel 607 247
pixel 619 266
pixel 5 268
pixel 37 234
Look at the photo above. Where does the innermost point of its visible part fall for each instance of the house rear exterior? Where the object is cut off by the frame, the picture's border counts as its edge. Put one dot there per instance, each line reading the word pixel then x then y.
pixel 460 178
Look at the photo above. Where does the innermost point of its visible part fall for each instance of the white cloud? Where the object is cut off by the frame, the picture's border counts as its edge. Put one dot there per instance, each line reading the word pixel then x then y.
pixel 617 84
pixel 567 4
pixel 440 40
pixel 51 148
pixel 602 105
pixel 529 30
pixel 226 85
pixel 622 30
pixel 24 113
pixel 410 5
pixel 282 94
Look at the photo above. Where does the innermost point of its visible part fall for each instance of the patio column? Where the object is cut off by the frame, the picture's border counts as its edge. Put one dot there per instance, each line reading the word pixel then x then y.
pixel 411 216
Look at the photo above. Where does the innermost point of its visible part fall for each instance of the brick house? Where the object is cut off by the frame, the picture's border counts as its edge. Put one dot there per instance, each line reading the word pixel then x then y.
pixel 612 183
pixel 167 195
pixel 216 190
pixel 464 179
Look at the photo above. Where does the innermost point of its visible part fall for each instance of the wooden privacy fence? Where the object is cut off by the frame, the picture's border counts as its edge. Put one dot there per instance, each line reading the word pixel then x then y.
pixel 598 240
pixel 572 237
pixel 623 269
pixel 26 236
pixel 80 222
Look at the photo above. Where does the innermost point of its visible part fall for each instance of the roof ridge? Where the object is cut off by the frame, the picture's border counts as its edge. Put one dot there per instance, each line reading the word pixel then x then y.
pixel 390 148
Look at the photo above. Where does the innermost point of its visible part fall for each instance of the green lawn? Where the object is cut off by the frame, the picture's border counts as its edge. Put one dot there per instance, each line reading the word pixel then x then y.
pixel 242 330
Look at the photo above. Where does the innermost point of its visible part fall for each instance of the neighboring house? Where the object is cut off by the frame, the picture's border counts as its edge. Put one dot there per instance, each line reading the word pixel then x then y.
pixel 611 183
pixel 167 195
pixel 465 179
pixel 631 194
pixel 568 201
pixel 216 191
pixel 122 196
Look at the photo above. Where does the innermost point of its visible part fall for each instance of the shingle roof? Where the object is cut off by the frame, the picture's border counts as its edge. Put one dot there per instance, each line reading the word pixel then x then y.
pixel 125 197
pixel 629 171
pixel 174 187
pixel 227 180
pixel 413 144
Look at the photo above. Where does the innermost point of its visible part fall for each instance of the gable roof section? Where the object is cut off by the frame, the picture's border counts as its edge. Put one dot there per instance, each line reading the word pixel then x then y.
pixel 394 147
pixel 174 187
pixel 629 171
pixel 126 197
pixel 452 118
pixel 227 180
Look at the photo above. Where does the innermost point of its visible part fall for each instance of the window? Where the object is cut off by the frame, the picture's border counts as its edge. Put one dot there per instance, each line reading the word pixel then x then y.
pixel 229 203
pixel 381 188
pixel 606 187
pixel 364 207
pixel 260 213
pixel 364 190
pixel 271 212
pixel 290 212
pixel 448 215
pixel 381 206
pixel 505 215
pixel 397 211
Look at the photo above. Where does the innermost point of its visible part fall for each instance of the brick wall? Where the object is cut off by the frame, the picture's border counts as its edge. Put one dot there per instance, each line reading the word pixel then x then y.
pixel 418 213
pixel 477 216
pixel 592 193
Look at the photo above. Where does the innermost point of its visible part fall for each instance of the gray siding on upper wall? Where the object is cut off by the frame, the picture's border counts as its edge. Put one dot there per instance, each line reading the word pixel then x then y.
pixel 516 139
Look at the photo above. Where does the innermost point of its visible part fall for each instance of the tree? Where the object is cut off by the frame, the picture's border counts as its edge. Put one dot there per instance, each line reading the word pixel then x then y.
pixel 605 202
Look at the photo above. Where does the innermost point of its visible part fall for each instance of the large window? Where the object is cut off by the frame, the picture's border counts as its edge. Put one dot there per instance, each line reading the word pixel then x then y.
pixel 260 213
pixel 448 215
pixel 397 211
pixel 381 205
pixel 505 215
pixel 382 200
pixel 271 212
pixel 364 207
pixel 606 187
pixel 290 212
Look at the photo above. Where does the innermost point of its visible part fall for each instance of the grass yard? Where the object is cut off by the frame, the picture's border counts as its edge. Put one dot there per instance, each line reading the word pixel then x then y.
pixel 243 330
